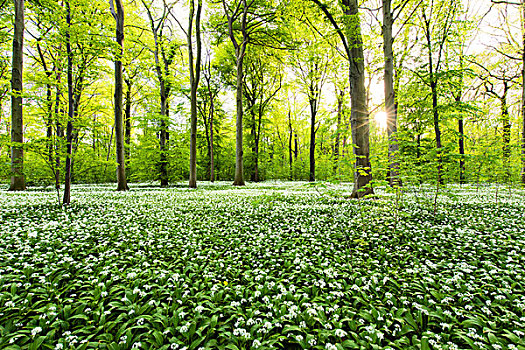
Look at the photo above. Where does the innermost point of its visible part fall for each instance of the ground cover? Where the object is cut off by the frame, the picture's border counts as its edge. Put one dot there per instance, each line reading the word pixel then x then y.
pixel 274 265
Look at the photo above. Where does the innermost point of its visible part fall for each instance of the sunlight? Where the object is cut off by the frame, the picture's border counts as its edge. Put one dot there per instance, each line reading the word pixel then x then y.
pixel 381 120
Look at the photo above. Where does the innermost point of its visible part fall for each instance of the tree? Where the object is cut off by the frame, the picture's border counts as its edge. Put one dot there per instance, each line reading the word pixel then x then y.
pixel 238 12
pixel 262 82
pixel 350 35
pixel 17 118
pixel 522 58
pixel 389 17
pixel 311 66
pixel 437 20
pixel 195 72
pixel 507 80
pixel 71 110
pixel 163 73
pixel 119 132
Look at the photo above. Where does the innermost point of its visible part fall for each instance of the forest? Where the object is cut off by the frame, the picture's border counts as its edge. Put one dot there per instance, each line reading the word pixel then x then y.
pixel 259 90
pixel 262 174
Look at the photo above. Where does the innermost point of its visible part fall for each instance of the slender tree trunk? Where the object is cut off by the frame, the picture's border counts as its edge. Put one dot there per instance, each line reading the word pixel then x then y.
pixel 253 131
pixel 212 160
pixel 434 91
pixel 523 95
pixel 390 95
pixel 119 130
pixel 313 112
pixel 195 69
pixel 162 142
pixel 359 117
pixel 49 125
pixel 69 129
pixel 505 118
pixel 257 139
pixel 163 94
pixel 437 130
pixel 127 124
pixel 240 51
pixel 296 147
pixel 461 150
pixel 17 117
pixel 290 149
pixel 59 135
pixel 337 144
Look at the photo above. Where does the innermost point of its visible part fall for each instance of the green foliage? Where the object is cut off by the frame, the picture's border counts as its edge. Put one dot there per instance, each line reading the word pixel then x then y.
pixel 273 265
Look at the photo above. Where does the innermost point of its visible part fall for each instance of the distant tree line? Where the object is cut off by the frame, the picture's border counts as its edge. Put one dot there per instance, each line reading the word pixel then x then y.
pixel 98 91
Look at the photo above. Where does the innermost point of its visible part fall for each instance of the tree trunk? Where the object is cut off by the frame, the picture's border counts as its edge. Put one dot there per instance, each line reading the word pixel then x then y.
pixel 162 142
pixel 69 130
pixel 49 125
pixel 194 82
pixel 59 135
pixel 163 94
pixel 437 130
pixel 119 130
pixel 17 117
pixel 313 112
pixel 240 51
pixel 523 95
pixel 290 150
pixel 337 144
pixel 212 160
pixel 505 119
pixel 461 150
pixel 239 171
pixel 127 124
pixel 251 108
pixel 359 117
pixel 390 95
pixel 296 147
pixel 257 139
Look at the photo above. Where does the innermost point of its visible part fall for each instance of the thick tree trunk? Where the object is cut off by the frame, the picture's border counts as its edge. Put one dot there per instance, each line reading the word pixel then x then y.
pixel 69 130
pixel 17 118
pixel 313 112
pixel 359 117
pixel 390 95
pixel 119 129
pixel 239 171
pixel 195 69
pixel 240 51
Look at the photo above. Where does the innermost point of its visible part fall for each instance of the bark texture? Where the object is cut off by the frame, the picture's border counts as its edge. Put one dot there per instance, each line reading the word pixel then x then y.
pixel 119 127
pixel 390 95
pixel 17 116
pixel 195 71
pixel 359 117
pixel 69 129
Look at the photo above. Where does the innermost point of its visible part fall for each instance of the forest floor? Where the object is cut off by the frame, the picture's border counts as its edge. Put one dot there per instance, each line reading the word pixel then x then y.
pixel 272 265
